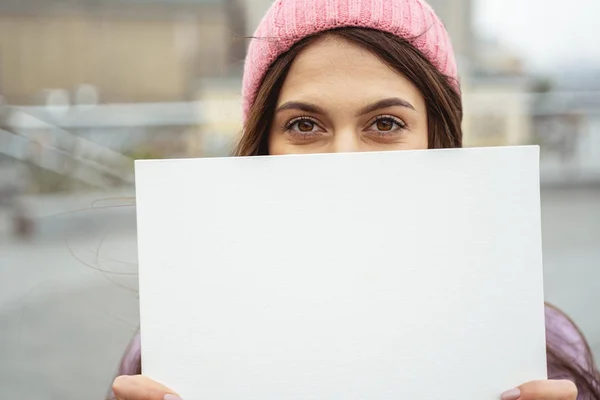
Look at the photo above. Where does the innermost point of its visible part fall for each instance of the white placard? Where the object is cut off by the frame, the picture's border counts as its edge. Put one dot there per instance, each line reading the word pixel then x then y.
pixel 393 275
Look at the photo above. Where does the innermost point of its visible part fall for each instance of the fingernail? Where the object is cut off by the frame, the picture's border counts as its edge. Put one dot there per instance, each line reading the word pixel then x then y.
pixel 172 397
pixel 512 394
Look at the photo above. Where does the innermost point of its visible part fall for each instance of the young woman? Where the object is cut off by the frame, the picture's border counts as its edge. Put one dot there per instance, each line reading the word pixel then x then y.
pixel 364 75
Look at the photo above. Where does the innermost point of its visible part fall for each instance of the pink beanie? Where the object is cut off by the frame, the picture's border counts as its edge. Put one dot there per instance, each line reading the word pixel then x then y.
pixel 289 21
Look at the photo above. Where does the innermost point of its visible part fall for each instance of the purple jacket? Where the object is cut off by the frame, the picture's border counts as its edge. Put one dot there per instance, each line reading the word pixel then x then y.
pixel 562 336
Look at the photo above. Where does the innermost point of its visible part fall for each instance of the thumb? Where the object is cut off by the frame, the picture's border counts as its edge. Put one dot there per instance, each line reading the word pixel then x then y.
pixel 543 390
pixel 139 387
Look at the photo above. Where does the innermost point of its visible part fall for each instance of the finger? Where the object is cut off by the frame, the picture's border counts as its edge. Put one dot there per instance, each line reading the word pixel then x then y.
pixel 139 387
pixel 543 390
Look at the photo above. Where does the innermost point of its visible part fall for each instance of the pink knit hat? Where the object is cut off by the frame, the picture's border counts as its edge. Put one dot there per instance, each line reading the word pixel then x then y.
pixel 289 21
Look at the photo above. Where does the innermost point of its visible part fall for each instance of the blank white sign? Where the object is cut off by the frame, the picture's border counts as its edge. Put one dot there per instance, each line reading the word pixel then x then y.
pixel 398 275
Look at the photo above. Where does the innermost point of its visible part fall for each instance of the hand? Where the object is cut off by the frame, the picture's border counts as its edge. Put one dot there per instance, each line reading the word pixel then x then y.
pixel 543 390
pixel 139 387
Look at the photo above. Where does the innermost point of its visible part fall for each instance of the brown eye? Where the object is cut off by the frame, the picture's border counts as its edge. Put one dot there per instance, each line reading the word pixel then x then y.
pixel 305 126
pixel 385 125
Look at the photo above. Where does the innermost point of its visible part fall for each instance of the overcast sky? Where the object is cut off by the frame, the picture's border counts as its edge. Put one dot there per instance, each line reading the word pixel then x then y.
pixel 546 33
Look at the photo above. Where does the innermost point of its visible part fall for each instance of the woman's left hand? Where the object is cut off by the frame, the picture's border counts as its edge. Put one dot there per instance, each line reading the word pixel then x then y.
pixel 543 390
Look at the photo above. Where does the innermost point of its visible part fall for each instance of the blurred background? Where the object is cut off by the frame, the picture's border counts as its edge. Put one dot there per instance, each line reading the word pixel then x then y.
pixel 86 86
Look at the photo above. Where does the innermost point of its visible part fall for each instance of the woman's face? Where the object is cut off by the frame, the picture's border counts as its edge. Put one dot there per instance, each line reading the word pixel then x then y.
pixel 338 97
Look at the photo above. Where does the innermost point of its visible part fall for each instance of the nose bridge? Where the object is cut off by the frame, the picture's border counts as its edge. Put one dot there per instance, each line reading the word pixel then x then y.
pixel 345 140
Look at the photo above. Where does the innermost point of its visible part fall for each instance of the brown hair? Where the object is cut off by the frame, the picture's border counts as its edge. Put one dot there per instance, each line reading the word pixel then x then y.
pixel 443 102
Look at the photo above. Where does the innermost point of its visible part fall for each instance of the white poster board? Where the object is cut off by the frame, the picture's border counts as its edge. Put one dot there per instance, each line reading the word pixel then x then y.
pixel 399 275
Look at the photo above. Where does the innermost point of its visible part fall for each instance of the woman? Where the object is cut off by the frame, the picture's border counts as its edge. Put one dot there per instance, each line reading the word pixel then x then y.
pixel 364 75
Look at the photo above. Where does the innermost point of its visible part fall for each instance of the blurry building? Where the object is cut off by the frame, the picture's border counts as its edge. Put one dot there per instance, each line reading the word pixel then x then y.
pixel 566 125
pixel 494 85
pixel 255 10
pixel 90 85
pixel 494 59
pixel 221 110
pixel 497 111
pixel 457 16
pixel 127 50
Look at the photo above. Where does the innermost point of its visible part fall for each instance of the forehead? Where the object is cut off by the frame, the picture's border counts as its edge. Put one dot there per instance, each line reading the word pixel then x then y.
pixel 333 68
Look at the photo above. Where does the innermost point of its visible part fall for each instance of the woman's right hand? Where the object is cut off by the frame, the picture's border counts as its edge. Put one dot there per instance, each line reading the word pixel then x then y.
pixel 139 387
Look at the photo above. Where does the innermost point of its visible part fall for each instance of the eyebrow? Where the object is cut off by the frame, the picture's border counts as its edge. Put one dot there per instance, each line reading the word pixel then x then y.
pixel 314 109
pixel 297 105
pixel 385 103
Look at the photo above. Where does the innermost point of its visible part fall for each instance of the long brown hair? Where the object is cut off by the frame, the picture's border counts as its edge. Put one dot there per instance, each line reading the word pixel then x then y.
pixel 443 102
